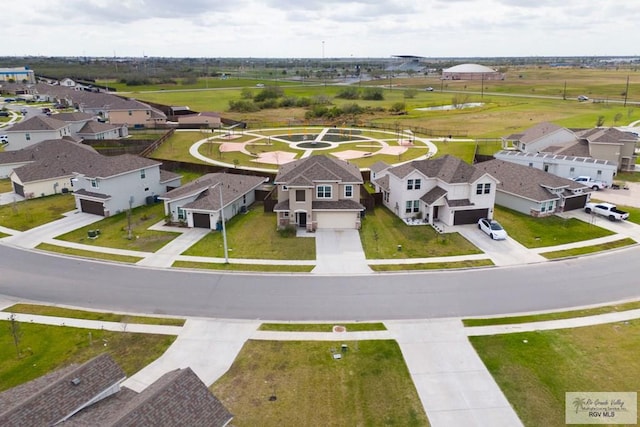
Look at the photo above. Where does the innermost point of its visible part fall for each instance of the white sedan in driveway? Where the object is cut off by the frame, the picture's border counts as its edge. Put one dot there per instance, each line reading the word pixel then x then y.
pixel 492 228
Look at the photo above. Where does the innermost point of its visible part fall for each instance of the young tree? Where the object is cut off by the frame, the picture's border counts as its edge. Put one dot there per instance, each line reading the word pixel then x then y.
pixel 16 333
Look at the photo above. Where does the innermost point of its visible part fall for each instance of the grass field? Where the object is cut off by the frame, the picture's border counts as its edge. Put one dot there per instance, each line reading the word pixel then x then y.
pixel 45 348
pixel 5 185
pixel 271 268
pixel 321 327
pixel 382 232
pixel 370 385
pixel 88 254
pixel 114 231
pixel 589 249
pixel 253 235
pixel 547 231
pixel 535 369
pixel 432 265
pixel 31 213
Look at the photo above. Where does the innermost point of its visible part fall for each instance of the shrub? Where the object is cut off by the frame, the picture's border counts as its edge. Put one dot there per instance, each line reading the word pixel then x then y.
pixel 289 101
pixel 352 109
pixel 243 106
pixel 269 92
pixel 373 94
pixel 348 93
pixel 288 231
pixel 398 107
pixel 303 102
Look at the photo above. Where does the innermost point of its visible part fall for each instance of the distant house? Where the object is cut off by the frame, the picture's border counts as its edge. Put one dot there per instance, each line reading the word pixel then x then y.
pixel 206 119
pixel 445 190
pixel 532 191
pixel 201 202
pixel 93 394
pixel 36 129
pixel 94 130
pixel 319 192
pixel 17 75
pixel 67 82
pixel 606 144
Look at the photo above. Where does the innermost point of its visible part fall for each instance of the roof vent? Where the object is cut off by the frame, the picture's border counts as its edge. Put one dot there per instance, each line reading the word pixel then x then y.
pixel 75 381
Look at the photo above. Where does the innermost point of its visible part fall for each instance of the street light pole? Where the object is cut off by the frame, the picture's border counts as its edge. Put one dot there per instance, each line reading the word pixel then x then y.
pixel 224 228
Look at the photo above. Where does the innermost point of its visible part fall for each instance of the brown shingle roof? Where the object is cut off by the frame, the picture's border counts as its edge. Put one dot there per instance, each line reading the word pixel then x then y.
pixel 232 185
pixel 336 205
pixel 536 132
pixel 63 397
pixel 305 172
pixel 526 181
pixel 38 123
pixel 447 168
pixel 76 116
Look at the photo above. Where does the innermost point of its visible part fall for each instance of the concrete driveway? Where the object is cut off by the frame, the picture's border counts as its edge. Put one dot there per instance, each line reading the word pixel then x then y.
pixel 502 252
pixel 339 251
pixel 7 198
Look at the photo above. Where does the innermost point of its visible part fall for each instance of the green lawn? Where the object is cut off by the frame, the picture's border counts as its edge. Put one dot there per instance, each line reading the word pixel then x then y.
pixel 369 386
pixel 48 310
pixel 45 348
pixel 589 249
pixel 432 265
pixel 31 213
pixel 272 268
pixel 114 231
pixel 552 316
pixel 88 254
pixel 535 369
pixel 177 147
pixel 253 235
pixel 5 185
pixel 382 232
pixel 547 231
pixel 321 327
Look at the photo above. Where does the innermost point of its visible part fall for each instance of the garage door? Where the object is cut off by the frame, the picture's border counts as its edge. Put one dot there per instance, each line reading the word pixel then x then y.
pixel 89 206
pixel 469 217
pixel 577 202
pixel 18 189
pixel 201 220
pixel 336 220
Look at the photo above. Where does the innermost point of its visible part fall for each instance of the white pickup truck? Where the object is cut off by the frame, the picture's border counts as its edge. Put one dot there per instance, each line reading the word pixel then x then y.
pixel 590 182
pixel 606 209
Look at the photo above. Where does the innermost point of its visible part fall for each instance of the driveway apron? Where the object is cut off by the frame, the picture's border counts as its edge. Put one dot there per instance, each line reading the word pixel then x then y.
pixel 72 221
pixel 339 251
pixel 502 252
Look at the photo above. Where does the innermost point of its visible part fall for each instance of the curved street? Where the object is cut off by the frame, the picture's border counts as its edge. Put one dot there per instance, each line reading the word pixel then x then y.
pixel 595 279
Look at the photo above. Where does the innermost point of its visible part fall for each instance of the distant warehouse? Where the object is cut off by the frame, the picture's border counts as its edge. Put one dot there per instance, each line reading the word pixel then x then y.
pixel 17 75
pixel 471 72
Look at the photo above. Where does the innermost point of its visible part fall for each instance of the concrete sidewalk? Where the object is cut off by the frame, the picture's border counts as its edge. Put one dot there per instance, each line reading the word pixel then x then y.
pixel 165 257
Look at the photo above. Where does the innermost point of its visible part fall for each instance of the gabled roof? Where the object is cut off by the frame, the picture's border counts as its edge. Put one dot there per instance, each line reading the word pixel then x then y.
pixel 93 127
pixel 536 132
pixel 208 198
pixel 38 123
pixel 63 396
pixel 306 172
pixel 378 166
pixel 107 166
pixel 178 398
pixel 607 136
pixel 433 195
pixel 383 182
pixel 449 169
pixel 527 182
pixel 76 116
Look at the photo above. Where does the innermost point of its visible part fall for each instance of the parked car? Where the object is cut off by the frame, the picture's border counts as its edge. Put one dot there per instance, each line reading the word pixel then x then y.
pixel 4 114
pixel 46 110
pixel 429 89
pixel 4 139
pixel 583 98
pixel 590 182
pixel 606 209
pixel 492 228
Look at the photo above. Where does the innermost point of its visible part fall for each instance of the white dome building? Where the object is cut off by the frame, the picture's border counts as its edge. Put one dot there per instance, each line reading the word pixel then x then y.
pixel 471 72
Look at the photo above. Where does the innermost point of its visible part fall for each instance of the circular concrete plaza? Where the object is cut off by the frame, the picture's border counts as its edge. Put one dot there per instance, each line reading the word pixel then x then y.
pixel 267 149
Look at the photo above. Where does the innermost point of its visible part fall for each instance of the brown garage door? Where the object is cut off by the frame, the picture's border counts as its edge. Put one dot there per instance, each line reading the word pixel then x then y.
pixel 201 220
pixel 18 189
pixel 572 203
pixel 89 206
pixel 469 217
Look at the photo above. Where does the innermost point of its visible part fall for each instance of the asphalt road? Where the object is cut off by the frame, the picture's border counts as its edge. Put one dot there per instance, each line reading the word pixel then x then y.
pixel 551 285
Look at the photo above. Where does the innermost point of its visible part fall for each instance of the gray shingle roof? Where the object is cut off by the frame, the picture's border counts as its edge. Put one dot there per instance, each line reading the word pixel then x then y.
pixel 383 182
pixel 378 166
pixel 233 186
pixel 93 127
pixel 38 123
pixel 535 132
pixel 66 395
pixel 607 135
pixel 526 181
pixel 75 116
pixel 447 168
pixel 305 172
pixel 433 195
pixel 336 205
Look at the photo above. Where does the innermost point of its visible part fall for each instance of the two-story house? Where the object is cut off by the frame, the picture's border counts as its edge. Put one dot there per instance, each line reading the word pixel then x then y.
pixel 445 190
pixel 34 130
pixel 319 192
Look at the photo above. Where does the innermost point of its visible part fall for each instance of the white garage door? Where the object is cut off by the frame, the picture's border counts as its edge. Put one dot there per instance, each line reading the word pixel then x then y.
pixel 336 219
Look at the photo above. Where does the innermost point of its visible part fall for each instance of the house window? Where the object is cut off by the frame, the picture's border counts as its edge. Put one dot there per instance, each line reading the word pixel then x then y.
pixel 300 195
pixel 530 164
pixel 479 188
pixel 244 199
pixel 572 170
pixel 27 136
pixel 143 174
pixel 130 113
pixel 94 183
pixel 386 196
pixel 546 168
pixel 182 214
pixel 487 188
pixel 412 206
pixel 599 173
pixel 348 191
pixel 323 192
pixel 285 188
pixel 413 184
pixel 285 214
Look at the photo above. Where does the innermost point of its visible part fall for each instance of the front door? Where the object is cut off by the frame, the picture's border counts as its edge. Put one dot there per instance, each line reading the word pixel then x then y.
pixel 302 219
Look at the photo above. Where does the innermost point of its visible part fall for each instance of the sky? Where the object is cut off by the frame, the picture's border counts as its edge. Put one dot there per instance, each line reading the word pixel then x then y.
pixel 319 28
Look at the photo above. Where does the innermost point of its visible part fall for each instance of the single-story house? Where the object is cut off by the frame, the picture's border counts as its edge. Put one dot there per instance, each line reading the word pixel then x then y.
pixel 94 394
pixel 319 192
pixel 94 130
pixel 206 119
pixel 445 190
pixel 36 129
pixel 201 203
pixel 533 191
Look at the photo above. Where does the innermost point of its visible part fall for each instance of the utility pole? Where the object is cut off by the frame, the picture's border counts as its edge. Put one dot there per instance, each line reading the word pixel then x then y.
pixel 626 91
